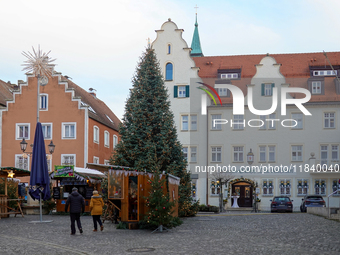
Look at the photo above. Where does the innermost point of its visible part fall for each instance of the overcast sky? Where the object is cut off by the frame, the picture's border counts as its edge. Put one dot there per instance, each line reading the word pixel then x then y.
pixel 98 43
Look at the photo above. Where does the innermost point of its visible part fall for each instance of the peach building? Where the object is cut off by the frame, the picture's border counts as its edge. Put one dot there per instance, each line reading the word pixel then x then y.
pixel 82 127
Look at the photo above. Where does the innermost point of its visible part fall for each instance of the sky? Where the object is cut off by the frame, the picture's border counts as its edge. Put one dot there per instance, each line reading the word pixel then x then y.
pixel 98 43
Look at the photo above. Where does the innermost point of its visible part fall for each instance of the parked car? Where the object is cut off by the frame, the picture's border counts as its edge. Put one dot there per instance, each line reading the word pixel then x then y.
pixel 312 201
pixel 281 204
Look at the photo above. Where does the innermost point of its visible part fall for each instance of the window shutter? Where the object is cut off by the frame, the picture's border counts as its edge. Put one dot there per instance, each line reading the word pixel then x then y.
pixel 262 89
pixel 187 91
pixel 175 91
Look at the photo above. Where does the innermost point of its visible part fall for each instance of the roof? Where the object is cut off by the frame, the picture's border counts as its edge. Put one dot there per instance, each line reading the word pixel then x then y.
pixel 295 67
pixel 5 92
pixel 98 110
pixel 196 44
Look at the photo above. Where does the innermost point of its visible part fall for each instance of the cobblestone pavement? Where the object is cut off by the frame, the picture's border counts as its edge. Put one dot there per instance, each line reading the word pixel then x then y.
pixel 241 233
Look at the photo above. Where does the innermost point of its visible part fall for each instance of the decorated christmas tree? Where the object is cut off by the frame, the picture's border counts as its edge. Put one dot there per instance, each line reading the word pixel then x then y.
pixel 159 204
pixel 147 124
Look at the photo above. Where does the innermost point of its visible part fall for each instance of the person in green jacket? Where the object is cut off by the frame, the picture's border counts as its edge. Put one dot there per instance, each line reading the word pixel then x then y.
pixel 96 208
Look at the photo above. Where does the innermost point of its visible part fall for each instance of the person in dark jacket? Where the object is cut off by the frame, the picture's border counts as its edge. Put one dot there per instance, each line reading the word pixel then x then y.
pixel 77 206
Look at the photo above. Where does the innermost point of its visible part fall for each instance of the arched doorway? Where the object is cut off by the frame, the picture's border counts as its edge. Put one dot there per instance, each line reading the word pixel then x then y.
pixel 244 188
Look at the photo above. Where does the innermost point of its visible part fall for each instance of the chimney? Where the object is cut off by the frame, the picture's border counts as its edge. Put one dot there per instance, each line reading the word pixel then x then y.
pixel 91 92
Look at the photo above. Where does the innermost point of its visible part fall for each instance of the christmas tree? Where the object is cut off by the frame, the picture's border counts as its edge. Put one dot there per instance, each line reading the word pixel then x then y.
pixel 147 124
pixel 159 204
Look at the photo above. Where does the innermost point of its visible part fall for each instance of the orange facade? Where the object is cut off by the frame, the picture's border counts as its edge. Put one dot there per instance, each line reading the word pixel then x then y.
pixel 68 118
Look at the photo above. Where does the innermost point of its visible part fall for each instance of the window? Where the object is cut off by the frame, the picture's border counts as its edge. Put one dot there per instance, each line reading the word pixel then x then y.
pixel 223 92
pixel 215 125
pixel 238 153
pixel 335 187
pixel 95 160
pixel 329 120
pixel 302 187
pixel 96 134
pixel 106 162
pixel 193 154
pixel 106 139
pixel 216 154
pixel 326 156
pixel 229 75
pixel 325 73
pixel 193 119
pixel 267 89
pixel 263 118
pixel 263 153
pixel 43 102
pixel 168 72
pixel 115 141
pixel 320 187
pixel 268 187
pixel 238 122
pixel 185 123
pixel 47 130
pixel 298 118
pixel 22 131
pixel 185 153
pixel 215 187
pixel 316 87
pixel 271 153
pixel 181 91
pixel 285 185
pixel 169 48
pixel 296 152
pixel 22 161
pixel 68 159
pixel 69 130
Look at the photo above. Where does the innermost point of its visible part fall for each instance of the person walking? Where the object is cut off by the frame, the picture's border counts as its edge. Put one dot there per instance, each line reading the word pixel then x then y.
pixel 96 207
pixel 77 206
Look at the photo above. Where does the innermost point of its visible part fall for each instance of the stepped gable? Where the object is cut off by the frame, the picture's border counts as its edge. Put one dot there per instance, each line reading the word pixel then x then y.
pixel 99 107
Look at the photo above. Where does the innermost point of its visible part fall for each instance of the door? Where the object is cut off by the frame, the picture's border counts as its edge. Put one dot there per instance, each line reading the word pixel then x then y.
pixel 245 193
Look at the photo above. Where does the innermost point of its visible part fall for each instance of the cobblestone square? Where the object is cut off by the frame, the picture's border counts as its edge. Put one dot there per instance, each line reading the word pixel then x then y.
pixel 242 233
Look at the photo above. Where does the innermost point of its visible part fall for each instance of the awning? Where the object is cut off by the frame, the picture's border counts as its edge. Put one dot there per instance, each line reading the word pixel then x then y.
pixel 84 174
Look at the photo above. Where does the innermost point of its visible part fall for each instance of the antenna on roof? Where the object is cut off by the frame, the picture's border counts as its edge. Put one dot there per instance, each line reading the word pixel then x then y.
pixel 336 75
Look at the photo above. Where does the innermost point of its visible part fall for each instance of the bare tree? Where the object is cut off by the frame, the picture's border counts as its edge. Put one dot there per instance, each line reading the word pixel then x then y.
pixel 222 178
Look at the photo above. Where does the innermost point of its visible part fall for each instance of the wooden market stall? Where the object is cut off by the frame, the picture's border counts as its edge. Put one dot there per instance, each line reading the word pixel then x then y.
pixel 84 179
pixel 6 173
pixel 127 189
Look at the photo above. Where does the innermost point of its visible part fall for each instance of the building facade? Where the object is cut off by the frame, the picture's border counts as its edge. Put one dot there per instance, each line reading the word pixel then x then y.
pixel 284 138
pixel 83 129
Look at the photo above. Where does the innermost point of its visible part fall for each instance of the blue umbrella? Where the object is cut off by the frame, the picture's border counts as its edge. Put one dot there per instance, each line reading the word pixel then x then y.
pixel 39 181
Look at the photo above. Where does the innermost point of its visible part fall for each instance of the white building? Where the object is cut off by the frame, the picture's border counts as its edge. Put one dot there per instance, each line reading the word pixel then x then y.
pixel 287 143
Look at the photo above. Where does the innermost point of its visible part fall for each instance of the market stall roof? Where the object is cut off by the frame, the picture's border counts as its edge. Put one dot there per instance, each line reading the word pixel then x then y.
pixel 18 172
pixel 89 172
pixel 83 174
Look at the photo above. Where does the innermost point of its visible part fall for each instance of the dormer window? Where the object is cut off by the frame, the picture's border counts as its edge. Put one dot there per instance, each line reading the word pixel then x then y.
pixel 325 73
pixel 229 75
pixel 316 85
